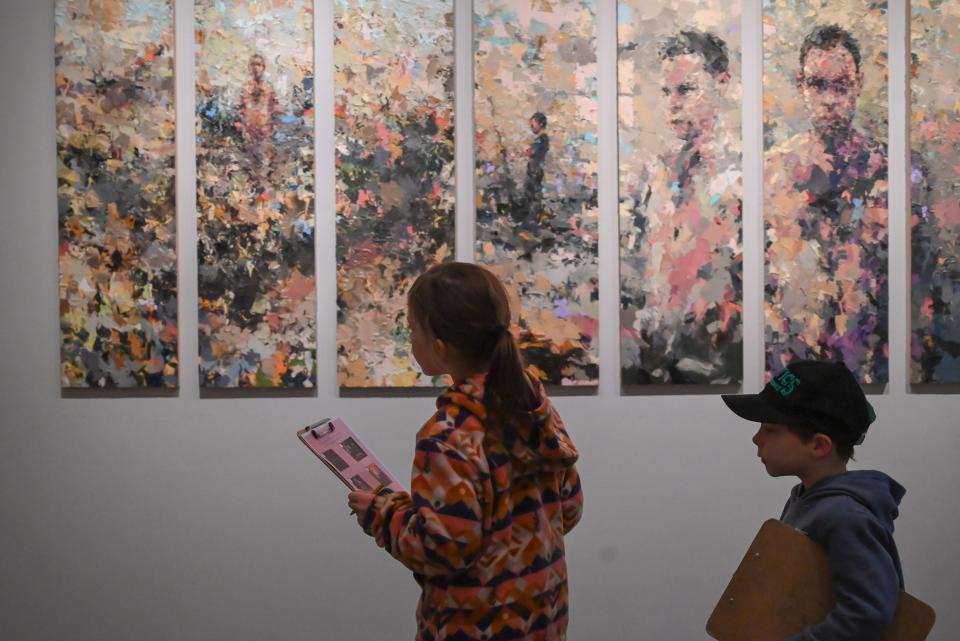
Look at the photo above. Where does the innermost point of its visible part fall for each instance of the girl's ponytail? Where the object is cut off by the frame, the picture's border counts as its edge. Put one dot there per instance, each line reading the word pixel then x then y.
pixel 508 393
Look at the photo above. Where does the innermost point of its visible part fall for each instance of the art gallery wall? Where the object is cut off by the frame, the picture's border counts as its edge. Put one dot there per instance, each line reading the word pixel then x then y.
pixel 189 517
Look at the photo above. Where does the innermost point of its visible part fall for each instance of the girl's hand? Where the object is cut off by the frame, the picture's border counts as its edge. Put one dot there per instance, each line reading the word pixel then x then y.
pixel 359 503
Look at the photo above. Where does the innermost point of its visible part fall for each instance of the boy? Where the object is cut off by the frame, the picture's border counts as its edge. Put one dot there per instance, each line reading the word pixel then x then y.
pixel 812 414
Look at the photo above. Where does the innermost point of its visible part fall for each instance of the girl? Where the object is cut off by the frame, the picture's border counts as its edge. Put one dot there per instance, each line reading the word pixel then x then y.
pixel 494 487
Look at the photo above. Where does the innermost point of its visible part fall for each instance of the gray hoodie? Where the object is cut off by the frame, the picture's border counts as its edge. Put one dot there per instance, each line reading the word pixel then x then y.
pixel 851 516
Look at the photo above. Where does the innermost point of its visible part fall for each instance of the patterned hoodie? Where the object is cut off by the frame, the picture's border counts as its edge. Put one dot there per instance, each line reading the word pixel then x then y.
pixel 483 525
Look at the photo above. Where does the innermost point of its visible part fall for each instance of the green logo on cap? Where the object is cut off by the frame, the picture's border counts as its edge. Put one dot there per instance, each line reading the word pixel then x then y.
pixel 785 383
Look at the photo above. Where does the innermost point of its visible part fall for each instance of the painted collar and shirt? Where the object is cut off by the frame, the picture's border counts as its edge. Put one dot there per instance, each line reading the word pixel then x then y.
pixel 826 238
pixel 851 516
pixel 483 526
pixel 681 282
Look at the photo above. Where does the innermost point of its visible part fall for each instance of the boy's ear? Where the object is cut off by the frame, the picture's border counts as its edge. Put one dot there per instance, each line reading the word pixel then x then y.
pixel 822 445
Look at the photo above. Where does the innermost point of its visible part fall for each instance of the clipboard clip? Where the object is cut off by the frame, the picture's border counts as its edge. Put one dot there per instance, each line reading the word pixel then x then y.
pixel 312 428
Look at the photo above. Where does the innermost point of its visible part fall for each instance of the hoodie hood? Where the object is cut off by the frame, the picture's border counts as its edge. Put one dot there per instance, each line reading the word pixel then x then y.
pixel 875 491
pixel 537 441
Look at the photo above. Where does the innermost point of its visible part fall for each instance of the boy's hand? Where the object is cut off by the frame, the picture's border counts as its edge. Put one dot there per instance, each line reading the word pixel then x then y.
pixel 359 503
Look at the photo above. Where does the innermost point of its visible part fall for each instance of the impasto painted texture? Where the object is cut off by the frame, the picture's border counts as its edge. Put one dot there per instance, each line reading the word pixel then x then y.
pixel 115 181
pixel 935 181
pixel 680 191
pixel 535 106
pixel 257 307
pixel 825 192
pixel 395 177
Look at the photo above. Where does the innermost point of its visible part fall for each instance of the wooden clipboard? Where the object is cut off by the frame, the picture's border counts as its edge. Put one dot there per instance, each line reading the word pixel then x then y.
pixel 783 586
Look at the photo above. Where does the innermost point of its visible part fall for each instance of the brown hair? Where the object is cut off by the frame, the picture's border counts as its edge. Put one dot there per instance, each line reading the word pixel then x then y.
pixel 806 431
pixel 826 37
pixel 466 307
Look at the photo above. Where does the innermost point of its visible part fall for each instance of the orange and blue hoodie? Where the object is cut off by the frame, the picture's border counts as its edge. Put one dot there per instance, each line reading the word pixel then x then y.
pixel 483 525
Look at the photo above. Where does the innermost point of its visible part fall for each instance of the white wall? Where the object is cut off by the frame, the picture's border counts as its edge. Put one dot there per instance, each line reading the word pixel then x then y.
pixel 180 517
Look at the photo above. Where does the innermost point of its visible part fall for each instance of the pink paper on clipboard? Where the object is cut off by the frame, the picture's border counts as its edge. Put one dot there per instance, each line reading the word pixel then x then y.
pixel 345 454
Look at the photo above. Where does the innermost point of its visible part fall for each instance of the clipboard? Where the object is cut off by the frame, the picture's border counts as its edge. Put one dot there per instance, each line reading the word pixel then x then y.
pixel 783 585
pixel 344 454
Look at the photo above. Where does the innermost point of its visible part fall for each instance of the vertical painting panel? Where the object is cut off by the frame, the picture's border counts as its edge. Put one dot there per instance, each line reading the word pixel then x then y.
pixel 395 177
pixel 825 183
pixel 255 246
pixel 115 189
pixel 536 175
pixel 681 191
pixel 935 183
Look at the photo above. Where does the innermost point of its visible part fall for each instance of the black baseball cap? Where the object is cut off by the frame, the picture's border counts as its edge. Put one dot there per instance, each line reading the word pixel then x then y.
pixel 823 393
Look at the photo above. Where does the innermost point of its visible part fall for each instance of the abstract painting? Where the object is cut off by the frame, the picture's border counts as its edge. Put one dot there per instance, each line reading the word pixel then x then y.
pixel 825 183
pixel 681 191
pixel 535 108
pixel 393 77
pixel 115 190
pixel 935 183
pixel 255 197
